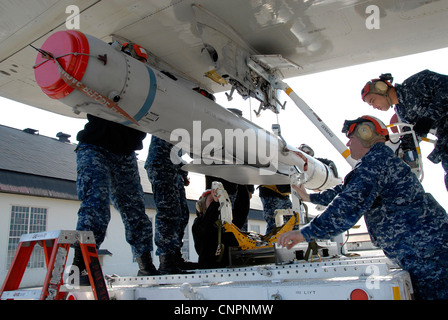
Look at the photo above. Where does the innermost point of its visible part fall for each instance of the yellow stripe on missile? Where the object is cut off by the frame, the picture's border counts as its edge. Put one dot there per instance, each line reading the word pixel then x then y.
pixel 346 153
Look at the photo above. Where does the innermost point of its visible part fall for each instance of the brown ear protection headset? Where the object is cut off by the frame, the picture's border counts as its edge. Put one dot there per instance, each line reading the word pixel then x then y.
pixel 379 86
pixel 365 132
pixel 367 128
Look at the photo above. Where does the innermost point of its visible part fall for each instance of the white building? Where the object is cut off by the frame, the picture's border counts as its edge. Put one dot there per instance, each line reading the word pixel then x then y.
pixel 38 193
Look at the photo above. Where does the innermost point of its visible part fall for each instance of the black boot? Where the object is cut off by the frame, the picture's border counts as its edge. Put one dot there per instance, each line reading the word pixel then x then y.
pixel 184 264
pixel 145 265
pixel 169 264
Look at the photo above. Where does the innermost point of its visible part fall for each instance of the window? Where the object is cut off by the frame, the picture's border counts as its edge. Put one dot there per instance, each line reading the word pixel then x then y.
pixel 255 228
pixel 27 220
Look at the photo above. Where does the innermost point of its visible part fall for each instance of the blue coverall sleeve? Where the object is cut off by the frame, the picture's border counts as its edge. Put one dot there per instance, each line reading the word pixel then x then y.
pixel 325 197
pixel 347 207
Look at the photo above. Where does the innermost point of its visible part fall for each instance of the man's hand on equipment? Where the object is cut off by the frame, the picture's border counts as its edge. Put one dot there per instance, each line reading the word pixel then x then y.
pixel 290 239
pixel 302 192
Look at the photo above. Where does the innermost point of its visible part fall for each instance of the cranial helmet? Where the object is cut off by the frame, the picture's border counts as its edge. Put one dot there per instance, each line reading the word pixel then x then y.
pixel 367 128
pixel 379 86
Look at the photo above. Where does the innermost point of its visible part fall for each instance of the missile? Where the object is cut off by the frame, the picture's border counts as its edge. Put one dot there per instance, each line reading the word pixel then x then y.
pixel 91 76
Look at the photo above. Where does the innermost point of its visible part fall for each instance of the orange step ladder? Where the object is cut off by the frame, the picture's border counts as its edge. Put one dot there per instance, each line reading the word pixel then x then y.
pixel 56 245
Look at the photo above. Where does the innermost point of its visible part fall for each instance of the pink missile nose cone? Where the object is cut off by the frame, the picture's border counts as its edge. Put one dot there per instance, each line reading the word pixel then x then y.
pixel 65 45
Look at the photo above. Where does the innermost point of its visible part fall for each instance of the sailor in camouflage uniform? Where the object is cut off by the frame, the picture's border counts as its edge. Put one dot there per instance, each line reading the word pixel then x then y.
pixel 407 223
pixel 107 171
pixel 421 100
pixel 274 197
pixel 163 166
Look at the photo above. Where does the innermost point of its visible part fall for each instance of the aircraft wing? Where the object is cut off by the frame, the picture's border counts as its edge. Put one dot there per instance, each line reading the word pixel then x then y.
pixel 294 37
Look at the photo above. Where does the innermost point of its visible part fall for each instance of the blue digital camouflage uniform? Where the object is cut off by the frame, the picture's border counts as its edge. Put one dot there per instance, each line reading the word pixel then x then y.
pixel 425 95
pixel 407 223
pixel 169 195
pixel 273 200
pixel 109 173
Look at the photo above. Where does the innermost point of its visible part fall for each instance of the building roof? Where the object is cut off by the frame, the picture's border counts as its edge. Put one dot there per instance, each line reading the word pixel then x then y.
pixel 31 185
pixel 27 152
pixel 37 155
pixel 38 165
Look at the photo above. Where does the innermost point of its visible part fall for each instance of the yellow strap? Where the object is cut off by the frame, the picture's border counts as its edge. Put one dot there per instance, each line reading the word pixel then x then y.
pixel 274 188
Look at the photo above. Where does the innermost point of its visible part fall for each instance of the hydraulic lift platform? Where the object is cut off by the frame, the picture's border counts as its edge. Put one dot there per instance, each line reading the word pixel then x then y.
pixel 356 278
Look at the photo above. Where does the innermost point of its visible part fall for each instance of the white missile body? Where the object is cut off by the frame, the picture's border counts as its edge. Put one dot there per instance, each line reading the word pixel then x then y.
pixel 222 143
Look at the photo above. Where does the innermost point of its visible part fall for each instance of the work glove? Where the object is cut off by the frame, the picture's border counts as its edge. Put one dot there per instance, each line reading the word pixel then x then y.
pixel 423 126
